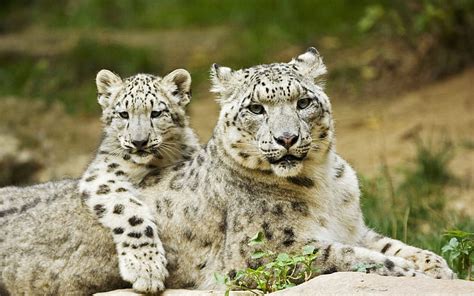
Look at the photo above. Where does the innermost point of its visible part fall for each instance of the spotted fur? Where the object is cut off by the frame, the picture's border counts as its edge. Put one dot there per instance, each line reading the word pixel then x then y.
pixel 145 130
pixel 271 166
pixel 251 176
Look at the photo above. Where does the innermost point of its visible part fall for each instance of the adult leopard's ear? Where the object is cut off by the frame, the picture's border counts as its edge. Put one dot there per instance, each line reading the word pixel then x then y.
pixel 179 82
pixel 309 64
pixel 106 82
pixel 222 80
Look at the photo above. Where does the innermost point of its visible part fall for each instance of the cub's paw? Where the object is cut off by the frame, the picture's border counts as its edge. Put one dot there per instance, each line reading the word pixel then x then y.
pixel 144 267
pixel 430 264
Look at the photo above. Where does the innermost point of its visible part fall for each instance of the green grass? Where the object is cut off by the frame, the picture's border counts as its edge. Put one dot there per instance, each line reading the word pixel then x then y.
pixel 414 208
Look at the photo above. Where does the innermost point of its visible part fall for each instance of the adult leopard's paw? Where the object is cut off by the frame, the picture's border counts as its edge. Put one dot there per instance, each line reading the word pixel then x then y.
pixel 431 264
pixel 145 268
pixel 395 266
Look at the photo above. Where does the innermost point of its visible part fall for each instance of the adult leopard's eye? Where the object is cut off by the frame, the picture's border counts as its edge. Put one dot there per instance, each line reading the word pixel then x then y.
pixel 124 114
pixel 155 114
pixel 303 103
pixel 256 108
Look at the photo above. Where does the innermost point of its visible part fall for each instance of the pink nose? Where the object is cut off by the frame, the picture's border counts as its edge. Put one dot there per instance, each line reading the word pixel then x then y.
pixel 287 140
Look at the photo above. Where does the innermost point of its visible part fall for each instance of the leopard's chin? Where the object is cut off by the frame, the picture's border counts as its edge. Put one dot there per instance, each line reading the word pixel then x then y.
pixel 142 158
pixel 286 169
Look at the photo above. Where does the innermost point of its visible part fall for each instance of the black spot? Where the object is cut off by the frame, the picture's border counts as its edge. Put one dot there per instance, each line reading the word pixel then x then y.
pixel 267 231
pixel 118 209
pixel 278 210
pixel 385 248
pixel 135 221
pixel 340 170
pixel 103 189
pixel 135 234
pixel 178 166
pixel 91 178
pixel 347 250
pixel 84 196
pixel 125 245
pixel 149 231
pixel 126 157
pixel 189 284
pixel 202 265
pixel 330 270
pixel 99 210
pixel 300 207
pixel 8 212
pixel 244 155
pixel 326 253
pixel 176 182
pixel 200 159
pixel 135 202
pixel 121 189
pixel 206 243
pixel 113 165
pixel 301 181
pixel 223 223
pixel 118 230
pixel 389 264
pixel 189 235
pixel 120 173
pixel 232 273
pixel 289 236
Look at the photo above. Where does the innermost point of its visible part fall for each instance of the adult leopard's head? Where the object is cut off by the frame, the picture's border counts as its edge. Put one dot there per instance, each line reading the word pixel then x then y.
pixel 274 117
pixel 143 114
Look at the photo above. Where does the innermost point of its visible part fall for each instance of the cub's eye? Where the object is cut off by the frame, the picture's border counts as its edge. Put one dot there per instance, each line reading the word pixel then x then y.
pixel 256 108
pixel 175 93
pixel 124 114
pixel 155 114
pixel 303 103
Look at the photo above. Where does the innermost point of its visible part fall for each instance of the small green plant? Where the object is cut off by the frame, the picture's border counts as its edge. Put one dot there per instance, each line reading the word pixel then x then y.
pixel 460 251
pixel 280 271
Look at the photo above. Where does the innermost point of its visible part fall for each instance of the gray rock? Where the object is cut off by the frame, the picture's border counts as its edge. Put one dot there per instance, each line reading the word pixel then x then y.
pixel 347 283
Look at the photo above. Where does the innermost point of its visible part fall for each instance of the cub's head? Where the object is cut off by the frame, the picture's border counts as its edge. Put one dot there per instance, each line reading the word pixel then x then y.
pixel 143 114
pixel 274 117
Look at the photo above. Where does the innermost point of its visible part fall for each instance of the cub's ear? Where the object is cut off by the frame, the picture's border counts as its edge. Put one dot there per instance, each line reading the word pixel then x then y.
pixel 221 79
pixel 179 82
pixel 310 64
pixel 106 81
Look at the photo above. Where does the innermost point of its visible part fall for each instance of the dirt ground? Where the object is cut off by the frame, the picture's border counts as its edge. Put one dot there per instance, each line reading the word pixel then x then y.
pixel 369 133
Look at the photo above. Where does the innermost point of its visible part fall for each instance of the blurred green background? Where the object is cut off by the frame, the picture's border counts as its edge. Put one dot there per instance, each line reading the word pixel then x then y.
pixel 66 42
pixel 400 78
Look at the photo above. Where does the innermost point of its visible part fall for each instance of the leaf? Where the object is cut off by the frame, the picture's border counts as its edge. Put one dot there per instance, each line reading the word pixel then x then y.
pixel 257 255
pixel 283 257
pixel 307 250
pixel 220 278
pixel 269 265
pixel 257 239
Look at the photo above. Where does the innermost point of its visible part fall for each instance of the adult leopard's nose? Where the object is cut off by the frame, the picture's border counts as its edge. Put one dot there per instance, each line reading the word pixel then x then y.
pixel 287 140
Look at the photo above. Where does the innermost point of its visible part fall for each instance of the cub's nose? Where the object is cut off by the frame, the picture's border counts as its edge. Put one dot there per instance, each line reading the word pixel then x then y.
pixel 139 145
pixel 287 140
